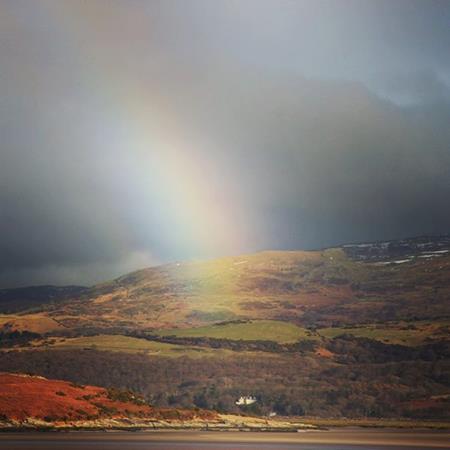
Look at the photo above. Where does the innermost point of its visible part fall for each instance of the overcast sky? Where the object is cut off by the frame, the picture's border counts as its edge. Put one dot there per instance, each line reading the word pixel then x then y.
pixel 140 132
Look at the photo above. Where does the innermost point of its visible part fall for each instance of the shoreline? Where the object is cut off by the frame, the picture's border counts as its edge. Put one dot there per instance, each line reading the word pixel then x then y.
pixel 223 423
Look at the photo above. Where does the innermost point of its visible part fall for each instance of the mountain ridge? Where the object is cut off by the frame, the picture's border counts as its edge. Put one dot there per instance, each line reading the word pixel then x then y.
pixel 348 285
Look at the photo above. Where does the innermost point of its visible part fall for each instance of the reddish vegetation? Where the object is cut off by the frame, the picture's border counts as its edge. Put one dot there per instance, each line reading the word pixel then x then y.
pixel 423 403
pixel 23 397
pixel 324 353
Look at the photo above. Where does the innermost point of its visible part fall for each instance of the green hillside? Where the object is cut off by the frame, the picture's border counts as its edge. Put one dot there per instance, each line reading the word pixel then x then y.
pixel 256 330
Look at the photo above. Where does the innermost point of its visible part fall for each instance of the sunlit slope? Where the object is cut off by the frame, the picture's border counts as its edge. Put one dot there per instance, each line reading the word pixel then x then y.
pixel 269 285
pixel 312 289
pixel 122 344
pixel 255 330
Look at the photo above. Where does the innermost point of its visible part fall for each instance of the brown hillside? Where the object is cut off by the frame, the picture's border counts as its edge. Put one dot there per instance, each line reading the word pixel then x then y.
pixel 318 288
pixel 23 397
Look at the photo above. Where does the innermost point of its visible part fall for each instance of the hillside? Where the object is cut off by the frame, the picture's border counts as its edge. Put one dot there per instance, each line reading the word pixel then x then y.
pixel 30 402
pixel 23 397
pixel 28 298
pixel 357 331
pixel 324 288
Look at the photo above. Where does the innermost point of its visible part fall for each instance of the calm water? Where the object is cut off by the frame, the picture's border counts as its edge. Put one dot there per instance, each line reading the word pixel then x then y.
pixel 123 445
pixel 340 440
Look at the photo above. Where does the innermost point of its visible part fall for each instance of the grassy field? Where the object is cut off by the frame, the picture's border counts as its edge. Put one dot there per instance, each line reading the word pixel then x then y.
pixel 37 323
pixel 271 330
pixel 414 333
pixel 126 344
pixel 116 343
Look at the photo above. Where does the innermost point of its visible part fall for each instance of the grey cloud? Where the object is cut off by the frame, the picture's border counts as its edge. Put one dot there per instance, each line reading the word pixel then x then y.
pixel 327 123
pixel 418 88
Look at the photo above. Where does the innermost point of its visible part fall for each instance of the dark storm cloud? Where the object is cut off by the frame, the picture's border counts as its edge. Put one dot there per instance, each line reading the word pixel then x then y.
pixel 330 162
pixel 327 120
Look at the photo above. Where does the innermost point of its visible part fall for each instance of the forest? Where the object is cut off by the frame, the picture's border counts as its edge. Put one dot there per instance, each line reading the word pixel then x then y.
pixel 364 380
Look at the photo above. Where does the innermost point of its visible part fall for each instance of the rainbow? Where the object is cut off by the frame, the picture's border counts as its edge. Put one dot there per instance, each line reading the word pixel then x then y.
pixel 196 205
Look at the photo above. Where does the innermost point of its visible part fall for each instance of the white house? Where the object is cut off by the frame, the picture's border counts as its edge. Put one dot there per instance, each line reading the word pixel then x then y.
pixel 245 400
